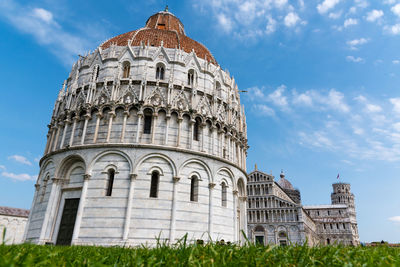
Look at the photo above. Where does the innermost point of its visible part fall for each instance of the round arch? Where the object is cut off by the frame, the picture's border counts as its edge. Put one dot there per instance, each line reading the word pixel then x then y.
pixel 66 163
pixel 202 163
pixel 140 161
pixel 98 156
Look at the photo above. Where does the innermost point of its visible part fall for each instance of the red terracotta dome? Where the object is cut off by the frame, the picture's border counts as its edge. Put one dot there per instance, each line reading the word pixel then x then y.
pixel 162 26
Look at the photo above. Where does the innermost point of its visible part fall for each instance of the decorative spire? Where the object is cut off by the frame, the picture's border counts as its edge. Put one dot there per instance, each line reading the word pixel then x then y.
pixel 282 175
pixel 255 167
pixel 166 8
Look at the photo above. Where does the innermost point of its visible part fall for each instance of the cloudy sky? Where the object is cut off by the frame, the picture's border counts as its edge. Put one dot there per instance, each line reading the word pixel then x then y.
pixel 322 80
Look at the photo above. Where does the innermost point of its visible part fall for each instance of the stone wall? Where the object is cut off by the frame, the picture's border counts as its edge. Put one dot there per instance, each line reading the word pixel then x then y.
pixel 15 227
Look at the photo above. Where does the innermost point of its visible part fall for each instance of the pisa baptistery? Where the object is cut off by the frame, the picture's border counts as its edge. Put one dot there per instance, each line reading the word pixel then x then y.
pixel 147 140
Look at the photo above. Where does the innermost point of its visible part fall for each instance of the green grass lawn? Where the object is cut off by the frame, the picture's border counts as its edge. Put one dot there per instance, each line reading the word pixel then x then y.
pixel 193 255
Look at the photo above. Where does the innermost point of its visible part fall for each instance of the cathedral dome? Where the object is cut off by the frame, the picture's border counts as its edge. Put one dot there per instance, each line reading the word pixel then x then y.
pixel 284 183
pixel 162 29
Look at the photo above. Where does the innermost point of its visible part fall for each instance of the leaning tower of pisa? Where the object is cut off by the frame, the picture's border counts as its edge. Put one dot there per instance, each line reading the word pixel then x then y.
pixel 147 139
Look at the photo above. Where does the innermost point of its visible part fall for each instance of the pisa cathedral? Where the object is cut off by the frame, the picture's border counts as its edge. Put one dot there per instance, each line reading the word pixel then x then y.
pixel 147 139
pixel 276 215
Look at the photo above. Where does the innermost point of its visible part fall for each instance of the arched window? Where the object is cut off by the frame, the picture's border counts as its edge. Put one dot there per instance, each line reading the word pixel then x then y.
pixel 147 122
pixel 110 182
pixel 194 189
pixel 126 66
pixel 328 241
pixel 160 72
pixel 190 78
pixel 196 130
pixel 223 195
pixel 154 184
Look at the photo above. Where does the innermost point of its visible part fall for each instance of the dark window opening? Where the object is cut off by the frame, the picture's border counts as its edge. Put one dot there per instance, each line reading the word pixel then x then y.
pixel 147 124
pixel 160 73
pixel 161 26
pixel 126 70
pixel 154 184
pixel 223 195
pixel 190 78
pixel 194 189
pixel 111 174
pixel 196 130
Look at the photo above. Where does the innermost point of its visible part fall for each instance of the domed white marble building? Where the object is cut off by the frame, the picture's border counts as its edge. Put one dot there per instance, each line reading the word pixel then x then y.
pixel 147 139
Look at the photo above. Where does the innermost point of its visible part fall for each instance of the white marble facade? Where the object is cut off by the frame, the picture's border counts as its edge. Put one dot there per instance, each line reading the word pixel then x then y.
pixel 277 217
pixel 117 113
pixel 14 227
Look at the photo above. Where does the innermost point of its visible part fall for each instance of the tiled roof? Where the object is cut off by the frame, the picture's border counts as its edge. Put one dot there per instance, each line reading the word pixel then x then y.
pixel 14 212
pixel 164 27
pixel 334 206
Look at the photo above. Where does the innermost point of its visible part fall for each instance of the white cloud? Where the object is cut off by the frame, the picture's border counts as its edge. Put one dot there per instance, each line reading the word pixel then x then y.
pixel 278 98
pixel 19 177
pixel 396 9
pixel 2 167
pixel 395 29
pixel 336 100
pixel 354 59
pixel 395 219
pixel 396 104
pixel 43 14
pixel 271 25
pixel 40 23
pixel 303 99
pixel 255 93
pixel 326 5
pixel 20 159
pixel 225 22
pixel 350 22
pixel 396 61
pixel 316 139
pixel 356 42
pixel 396 126
pixel 373 108
pixel 280 3
pixel 291 19
pixel 264 110
pixel 335 15
pixel 374 15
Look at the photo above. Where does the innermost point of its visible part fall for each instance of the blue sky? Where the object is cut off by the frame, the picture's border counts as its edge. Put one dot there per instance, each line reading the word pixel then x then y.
pixel 322 77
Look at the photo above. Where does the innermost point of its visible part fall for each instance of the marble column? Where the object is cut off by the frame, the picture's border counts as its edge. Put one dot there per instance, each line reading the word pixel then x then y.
pixel 66 123
pixel 48 213
pixel 96 131
pixel 71 139
pixel 210 210
pixel 191 129
pixel 154 127
pixel 178 141
pixel 168 117
pixel 173 210
pixel 57 136
pixel 112 115
pixel 81 207
pixel 203 128
pixel 126 115
pixel 140 116
pixel 87 118
pixel 128 214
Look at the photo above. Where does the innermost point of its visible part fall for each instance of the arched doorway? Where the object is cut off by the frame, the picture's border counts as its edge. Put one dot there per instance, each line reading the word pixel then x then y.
pixel 68 195
pixel 259 235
